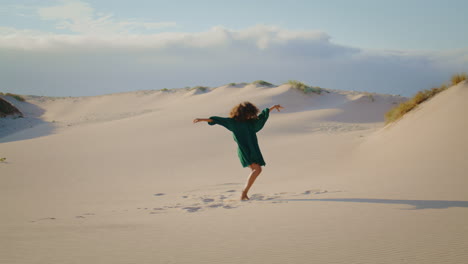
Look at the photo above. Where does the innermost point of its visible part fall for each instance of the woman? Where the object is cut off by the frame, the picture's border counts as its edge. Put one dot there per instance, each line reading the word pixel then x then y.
pixel 244 122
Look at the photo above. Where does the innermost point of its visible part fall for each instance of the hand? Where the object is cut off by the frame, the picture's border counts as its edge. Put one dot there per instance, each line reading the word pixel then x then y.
pixel 278 107
pixel 196 120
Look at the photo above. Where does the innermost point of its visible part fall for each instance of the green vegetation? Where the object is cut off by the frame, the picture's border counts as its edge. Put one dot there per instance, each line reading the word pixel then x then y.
pixel 200 88
pixel 164 90
pixel 17 97
pixel 261 82
pixel 304 88
pixel 459 77
pixel 422 96
pixel 2 159
pixel 370 96
pixel 6 109
pixel 403 108
pixel 232 84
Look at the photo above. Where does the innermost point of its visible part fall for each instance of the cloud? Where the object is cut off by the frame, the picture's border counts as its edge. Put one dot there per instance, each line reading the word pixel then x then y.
pixel 260 38
pixel 79 17
pixel 68 10
pixel 104 55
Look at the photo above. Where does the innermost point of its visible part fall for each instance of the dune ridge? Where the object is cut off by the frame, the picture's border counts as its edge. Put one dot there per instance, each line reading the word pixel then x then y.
pixel 66 112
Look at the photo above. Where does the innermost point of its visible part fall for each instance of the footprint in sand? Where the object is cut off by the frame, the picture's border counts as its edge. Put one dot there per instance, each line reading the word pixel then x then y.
pixel 261 197
pixel 157 210
pixel 229 183
pixel 172 206
pixel 316 191
pixel 47 218
pixel 311 191
pixel 208 200
pixel 321 192
pixel 257 197
pixel 192 209
pixel 216 205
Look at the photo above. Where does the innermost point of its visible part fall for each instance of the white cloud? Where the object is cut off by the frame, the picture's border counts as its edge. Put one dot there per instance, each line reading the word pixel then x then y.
pixel 33 62
pixel 146 25
pixel 68 10
pixel 260 38
pixel 80 17
pixel 8 32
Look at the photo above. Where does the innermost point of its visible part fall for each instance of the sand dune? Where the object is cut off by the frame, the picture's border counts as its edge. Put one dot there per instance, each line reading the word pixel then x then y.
pixel 427 150
pixel 127 178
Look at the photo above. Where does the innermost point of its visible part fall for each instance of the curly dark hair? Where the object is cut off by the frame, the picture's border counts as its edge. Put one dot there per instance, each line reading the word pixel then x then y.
pixel 244 111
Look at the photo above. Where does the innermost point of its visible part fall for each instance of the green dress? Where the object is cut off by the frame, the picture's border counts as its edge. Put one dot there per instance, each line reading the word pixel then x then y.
pixel 245 134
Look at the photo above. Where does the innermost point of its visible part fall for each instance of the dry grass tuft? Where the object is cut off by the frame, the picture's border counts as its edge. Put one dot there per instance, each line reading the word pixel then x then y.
pixel 304 88
pixel 200 88
pixel 17 97
pixel 263 83
pixel 458 78
pixel 400 110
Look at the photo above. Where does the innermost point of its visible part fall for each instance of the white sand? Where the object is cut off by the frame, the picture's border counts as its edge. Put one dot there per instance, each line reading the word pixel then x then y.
pixel 127 178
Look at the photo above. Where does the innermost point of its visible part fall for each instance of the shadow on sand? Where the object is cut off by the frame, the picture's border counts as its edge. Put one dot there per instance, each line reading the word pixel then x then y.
pixel 417 204
pixel 28 127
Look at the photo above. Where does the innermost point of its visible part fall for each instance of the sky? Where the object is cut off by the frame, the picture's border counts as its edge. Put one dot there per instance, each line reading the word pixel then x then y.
pixel 93 47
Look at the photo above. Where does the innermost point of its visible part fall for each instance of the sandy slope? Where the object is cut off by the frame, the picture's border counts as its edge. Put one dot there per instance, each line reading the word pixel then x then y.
pixel 427 150
pixel 127 178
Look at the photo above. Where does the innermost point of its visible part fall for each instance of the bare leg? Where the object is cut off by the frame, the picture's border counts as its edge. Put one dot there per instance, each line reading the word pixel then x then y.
pixel 256 170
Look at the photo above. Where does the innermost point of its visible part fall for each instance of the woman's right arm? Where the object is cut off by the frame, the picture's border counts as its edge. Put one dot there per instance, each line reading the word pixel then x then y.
pixel 196 120
pixel 277 107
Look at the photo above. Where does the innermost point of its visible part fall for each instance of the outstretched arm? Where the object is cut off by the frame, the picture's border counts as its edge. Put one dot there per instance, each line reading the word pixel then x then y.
pixel 196 120
pixel 263 117
pixel 277 107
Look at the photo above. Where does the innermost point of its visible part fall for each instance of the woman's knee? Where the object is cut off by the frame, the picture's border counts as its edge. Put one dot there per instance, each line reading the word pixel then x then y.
pixel 256 167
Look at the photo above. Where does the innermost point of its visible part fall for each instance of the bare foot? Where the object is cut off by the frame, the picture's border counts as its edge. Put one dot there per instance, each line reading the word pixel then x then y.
pixel 244 196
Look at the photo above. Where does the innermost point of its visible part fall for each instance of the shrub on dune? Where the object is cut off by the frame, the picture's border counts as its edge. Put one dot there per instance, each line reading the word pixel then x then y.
pixel 17 97
pixel 403 108
pixel 200 88
pixel 7 109
pixel 459 77
pixel 304 88
pixel 422 96
pixel 263 83
pixel 370 96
